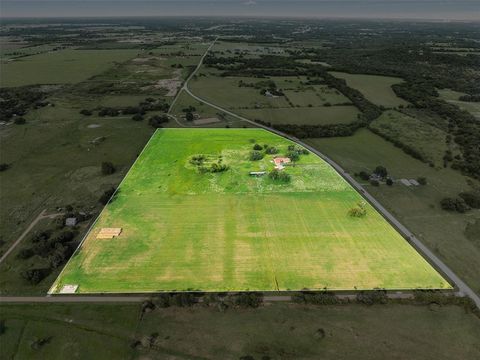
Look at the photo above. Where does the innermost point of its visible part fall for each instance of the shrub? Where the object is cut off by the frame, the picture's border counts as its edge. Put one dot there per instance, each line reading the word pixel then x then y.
pixel 271 150
pixel 34 276
pixel 106 196
pixel 364 175
pixel 137 117
pixel 372 297
pixel 471 198
pixel 454 204
pixel 381 171
pixel 107 168
pixel 156 121
pixel 256 155
pixel 4 166
pixel 85 112
pixel 19 121
pixel 257 147
pixel 374 182
pixel 422 180
pixel 280 176
pixel 358 211
pixel 389 182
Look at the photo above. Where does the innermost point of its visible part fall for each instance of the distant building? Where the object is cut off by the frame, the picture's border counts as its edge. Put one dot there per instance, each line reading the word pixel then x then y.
pixel 71 221
pixel 280 162
pixel 414 182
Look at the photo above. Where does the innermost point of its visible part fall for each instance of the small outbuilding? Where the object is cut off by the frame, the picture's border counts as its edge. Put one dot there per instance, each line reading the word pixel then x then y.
pixel 109 233
pixel 71 221
pixel 257 173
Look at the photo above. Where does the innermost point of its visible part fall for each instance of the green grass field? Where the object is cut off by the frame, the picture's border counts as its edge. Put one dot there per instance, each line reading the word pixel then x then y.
pixel 60 67
pixel 377 89
pixel 274 331
pixel 452 97
pixel 427 140
pixel 418 208
pixel 187 230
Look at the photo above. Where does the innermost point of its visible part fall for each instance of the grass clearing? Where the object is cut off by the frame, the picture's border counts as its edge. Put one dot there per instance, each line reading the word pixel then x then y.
pixel 60 67
pixel 311 116
pixel 377 89
pixel 416 207
pixel 452 97
pixel 279 331
pixel 183 229
pixel 427 140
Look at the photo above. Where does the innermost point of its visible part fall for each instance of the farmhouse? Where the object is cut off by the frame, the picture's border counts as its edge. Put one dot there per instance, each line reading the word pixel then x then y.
pixel 280 162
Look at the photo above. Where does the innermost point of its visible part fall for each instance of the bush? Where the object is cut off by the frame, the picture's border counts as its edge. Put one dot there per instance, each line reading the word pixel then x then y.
pixel 280 176
pixel 156 121
pixel 4 166
pixel 189 116
pixel 137 117
pixel 19 120
pixel 271 150
pixel 454 204
pixel 358 211
pixel 248 300
pixel 85 112
pixel 34 276
pixel 374 182
pixel 471 198
pixel 106 196
pixel 372 297
pixel 107 168
pixel 256 155
pixel 364 175
pixel 257 147
pixel 381 171
pixel 389 182
pixel 422 180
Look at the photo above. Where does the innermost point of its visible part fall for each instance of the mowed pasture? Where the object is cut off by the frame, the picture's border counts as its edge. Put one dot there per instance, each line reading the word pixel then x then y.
pixel 417 207
pixel 427 140
pixel 183 229
pixel 377 89
pixel 60 67
pixel 322 115
pixel 302 104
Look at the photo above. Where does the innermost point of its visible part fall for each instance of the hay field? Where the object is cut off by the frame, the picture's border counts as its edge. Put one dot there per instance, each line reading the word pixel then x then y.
pixel 187 230
pixel 376 88
pixel 60 67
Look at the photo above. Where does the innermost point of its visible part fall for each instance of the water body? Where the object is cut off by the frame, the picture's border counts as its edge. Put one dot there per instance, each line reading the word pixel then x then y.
pixel 394 9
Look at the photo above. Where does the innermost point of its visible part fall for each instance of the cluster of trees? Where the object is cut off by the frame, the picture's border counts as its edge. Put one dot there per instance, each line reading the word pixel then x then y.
pixel 358 211
pixel 462 125
pixel 15 102
pixel 256 155
pixel 454 204
pixel 156 121
pixel 316 131
pixel 55 249
pixel 316 298
pixel 470 98
pixel 377 296
pixel 279 176
pixel 149 104
pixel 465 201
pixel 213 167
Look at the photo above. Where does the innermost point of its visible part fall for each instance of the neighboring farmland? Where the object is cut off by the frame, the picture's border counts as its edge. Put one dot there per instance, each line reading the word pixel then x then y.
pixel 187 227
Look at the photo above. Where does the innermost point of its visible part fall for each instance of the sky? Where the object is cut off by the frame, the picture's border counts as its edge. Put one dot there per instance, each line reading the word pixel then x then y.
pixel 393 9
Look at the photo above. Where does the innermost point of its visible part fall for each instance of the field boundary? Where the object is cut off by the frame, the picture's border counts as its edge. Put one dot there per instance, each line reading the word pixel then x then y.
pixel 98 216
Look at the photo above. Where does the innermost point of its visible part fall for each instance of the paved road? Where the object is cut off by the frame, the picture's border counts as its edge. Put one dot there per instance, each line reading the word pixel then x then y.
pixel 41 216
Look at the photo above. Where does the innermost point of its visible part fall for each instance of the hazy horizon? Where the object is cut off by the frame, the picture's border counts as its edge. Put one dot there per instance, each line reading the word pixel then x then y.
pixel 364 9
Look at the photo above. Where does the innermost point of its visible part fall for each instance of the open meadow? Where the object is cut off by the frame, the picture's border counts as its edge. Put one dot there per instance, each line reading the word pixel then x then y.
pixel 185 227
pixel 416 207
pixel 377 89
